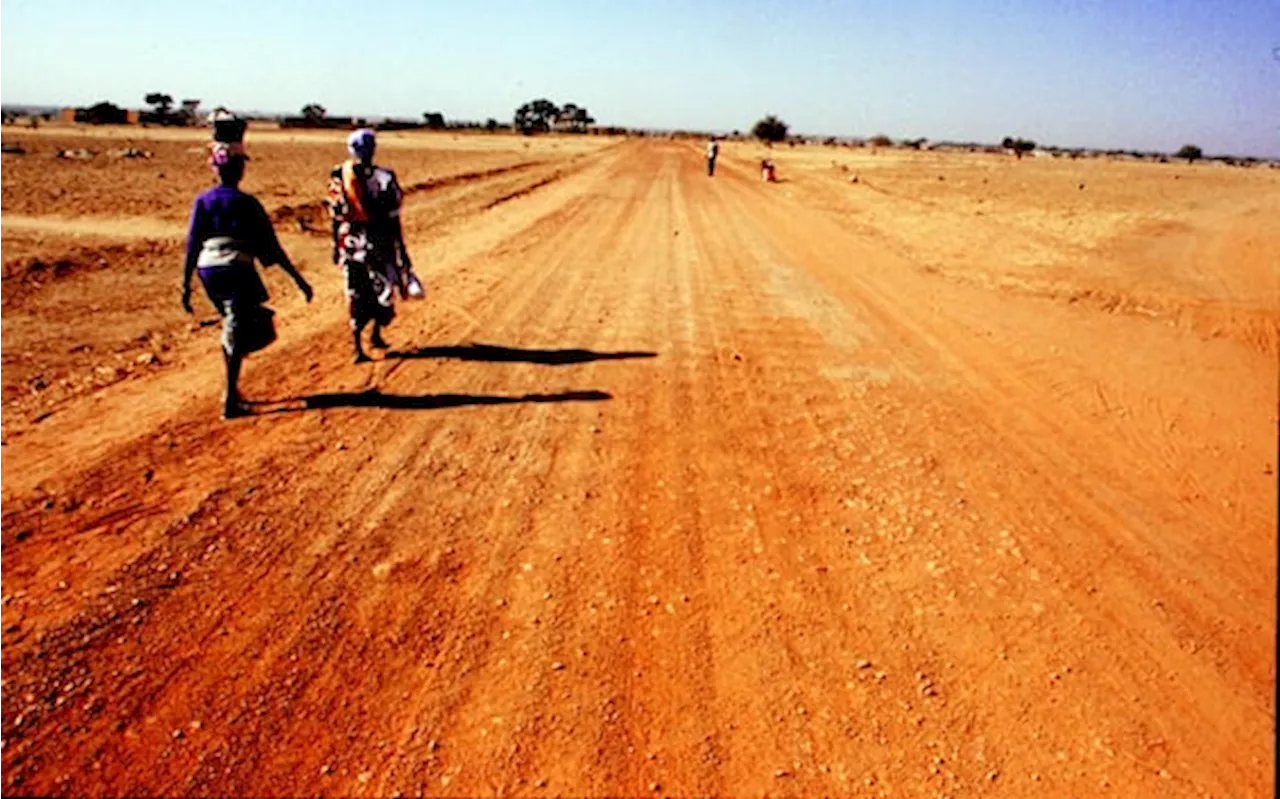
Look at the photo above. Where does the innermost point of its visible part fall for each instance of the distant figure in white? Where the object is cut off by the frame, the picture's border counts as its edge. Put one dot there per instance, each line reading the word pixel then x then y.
pixel 713 150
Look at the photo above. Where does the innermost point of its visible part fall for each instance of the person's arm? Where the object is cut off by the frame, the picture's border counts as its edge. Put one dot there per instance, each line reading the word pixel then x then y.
pixel 292 272
pixel 406 266
pixel 194 242
pixel 272 254
pixel 335 198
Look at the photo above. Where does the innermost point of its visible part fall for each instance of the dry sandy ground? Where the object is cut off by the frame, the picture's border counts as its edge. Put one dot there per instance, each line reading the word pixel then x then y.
pixel 958 480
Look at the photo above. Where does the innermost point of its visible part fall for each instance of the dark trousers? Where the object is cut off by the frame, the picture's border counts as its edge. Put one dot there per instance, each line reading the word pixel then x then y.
pixel 711 166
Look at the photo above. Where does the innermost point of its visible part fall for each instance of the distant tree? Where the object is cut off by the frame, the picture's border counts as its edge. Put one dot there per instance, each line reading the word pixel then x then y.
pixel 565 117
pixel 162 102
pixel 536 116
pixel 434 119
pixel 770 129
pixel 1189 152
pixel 1018 146
pixel 880 140
pixel 491 124
pixel 189 113
pixel 314 112
pixel 574 118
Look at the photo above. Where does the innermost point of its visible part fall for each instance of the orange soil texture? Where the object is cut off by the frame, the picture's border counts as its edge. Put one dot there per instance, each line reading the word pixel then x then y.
pixel 954 480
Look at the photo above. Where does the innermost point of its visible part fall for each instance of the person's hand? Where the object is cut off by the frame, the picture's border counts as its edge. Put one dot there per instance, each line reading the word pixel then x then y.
pixel 186 299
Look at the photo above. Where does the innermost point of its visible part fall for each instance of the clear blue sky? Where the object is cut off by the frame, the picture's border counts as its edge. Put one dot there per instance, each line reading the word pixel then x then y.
pixel 1128 73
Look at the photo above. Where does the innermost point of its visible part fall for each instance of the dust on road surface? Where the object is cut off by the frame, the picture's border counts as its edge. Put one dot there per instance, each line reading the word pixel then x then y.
pixel 673 485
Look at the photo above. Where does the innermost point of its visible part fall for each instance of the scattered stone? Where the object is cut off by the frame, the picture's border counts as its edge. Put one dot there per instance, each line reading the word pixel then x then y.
pixel 177 734
pixel 863 663
pixel 326 769
pixel 557 666
pixel 780 773
pixel 655 787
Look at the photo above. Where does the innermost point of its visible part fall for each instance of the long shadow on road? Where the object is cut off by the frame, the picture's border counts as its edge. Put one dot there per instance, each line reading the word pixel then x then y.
pixel 495 354
pixel 417 402
pixel 376 399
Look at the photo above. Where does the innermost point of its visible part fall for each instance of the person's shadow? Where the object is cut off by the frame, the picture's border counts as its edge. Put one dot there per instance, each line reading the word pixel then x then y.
pixel 489 353
pixel 373 398
pixel 495 354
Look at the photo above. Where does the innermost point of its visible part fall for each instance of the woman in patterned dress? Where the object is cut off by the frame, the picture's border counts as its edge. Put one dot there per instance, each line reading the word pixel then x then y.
pixel 368 241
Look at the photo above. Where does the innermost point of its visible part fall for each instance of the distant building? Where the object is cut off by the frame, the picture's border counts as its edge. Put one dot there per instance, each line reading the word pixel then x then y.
pixel 100 114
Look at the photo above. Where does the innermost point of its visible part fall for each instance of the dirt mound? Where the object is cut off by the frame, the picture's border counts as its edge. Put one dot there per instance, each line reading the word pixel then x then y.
pixel 24 275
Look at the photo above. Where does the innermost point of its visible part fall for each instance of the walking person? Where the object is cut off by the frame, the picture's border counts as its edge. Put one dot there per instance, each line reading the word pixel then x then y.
pixel 713 150
pixel 368 241
pixel 230 230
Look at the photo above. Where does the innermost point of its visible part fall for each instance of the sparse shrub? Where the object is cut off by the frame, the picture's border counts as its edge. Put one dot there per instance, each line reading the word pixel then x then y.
pixel 770 129
pixel 1019 146
pixel 1189 152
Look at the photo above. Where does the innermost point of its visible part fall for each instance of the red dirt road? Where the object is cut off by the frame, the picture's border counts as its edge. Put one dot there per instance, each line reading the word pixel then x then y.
pixel 738 495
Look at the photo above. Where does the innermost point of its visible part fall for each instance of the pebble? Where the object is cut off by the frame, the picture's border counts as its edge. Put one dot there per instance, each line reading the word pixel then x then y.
pixel 863 663
pixel 655 787
pixel 557 666
pixel 780 773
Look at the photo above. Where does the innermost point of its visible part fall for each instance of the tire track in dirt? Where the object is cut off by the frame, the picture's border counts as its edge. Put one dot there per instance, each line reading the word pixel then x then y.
pixel 1001 398
pixel 514 285
pixel 805 549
